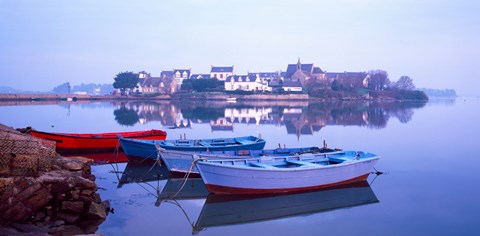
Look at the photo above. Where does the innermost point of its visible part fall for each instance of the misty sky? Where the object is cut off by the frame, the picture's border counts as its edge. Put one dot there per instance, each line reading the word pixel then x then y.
pixel 50 42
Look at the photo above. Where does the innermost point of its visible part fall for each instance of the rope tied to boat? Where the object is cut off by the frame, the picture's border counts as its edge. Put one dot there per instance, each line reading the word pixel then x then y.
pixel 185 178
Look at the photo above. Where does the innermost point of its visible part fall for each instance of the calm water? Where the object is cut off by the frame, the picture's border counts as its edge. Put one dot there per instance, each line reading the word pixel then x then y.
pixel 431 160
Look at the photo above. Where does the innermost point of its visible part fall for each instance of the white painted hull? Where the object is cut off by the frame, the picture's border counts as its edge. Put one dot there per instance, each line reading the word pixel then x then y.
pixel 244 179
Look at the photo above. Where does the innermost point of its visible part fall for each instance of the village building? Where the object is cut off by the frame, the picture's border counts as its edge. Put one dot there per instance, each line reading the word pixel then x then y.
pixel 200 76
pixel 180 75
pixel 348 79
pixel 165 84
pixel 250 82
pixel 303 73
pixel 221 73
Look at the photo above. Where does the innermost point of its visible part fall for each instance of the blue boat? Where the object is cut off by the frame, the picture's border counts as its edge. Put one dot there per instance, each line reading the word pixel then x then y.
pixel 148 148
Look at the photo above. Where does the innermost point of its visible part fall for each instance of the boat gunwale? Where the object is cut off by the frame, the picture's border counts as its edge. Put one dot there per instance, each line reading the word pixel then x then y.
pixel 280 169
pixel 138 134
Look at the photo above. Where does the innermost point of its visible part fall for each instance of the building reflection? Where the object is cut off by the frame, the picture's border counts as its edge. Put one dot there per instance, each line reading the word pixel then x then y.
pixel 298 118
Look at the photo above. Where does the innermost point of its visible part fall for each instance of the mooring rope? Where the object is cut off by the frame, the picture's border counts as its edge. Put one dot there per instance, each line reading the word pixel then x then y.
pixel 185 178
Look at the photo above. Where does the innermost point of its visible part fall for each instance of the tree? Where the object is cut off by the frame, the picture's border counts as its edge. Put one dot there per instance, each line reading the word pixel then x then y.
pixel 405 83
pixel 125 80
pixel 63 88
pixel 125 116
pixel 378 80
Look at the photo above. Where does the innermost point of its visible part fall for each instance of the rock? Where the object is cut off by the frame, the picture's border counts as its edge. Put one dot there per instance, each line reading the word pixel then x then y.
pixel 73 166
pixel 39 216
pixel 68 217
pixel 76 206
pixel 67 230
pixel 29 229
pixel 40 198
pixel 28 192
pixel 86 192
pixel 84 183
pixel 96 211
pixel 75 194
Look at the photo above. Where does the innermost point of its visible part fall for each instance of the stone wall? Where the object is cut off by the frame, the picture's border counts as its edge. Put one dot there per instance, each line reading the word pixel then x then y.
pixel 62 198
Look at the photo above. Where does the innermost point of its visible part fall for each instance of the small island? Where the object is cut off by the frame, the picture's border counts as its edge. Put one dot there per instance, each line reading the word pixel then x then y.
pixel 298 82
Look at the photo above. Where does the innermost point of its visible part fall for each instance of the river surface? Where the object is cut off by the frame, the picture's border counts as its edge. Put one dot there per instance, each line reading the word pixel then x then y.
pixel 430 160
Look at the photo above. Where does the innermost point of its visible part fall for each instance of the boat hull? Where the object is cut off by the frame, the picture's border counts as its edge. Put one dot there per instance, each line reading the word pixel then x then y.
pixel 101 142
pixel 148 148
pixel 225 179
pixel 178 162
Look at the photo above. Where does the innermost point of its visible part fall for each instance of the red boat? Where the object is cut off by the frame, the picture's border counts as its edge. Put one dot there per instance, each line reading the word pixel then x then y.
pixel 71 142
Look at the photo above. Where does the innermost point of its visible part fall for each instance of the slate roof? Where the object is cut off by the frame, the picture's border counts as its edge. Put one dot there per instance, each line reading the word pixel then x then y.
pixel 200 76
pixel 334 75
pixel 236 78
pixel 181 71
pixel 292 84
pixel 317 70
pixel 153 82
pixel 225 69
pixel 166 74
pixel 264 74
pixel 291 68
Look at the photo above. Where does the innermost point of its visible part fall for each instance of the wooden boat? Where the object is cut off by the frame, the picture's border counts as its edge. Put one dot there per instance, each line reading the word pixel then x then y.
pixel 284 174
pixel 91 142
pixel 148 148
pixel 179 162
pixel 100 157
pixel 223 210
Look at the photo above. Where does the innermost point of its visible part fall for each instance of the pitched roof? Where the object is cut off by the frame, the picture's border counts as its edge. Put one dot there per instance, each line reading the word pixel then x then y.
pixel 317 70
pixel 153 82
pixel 200 76
pixel 291 68
pixel 166 74
pixel 334 75
pixel 263 74
pixel 222 69
pixel 292 84
pixel 181 71
pixel 236 78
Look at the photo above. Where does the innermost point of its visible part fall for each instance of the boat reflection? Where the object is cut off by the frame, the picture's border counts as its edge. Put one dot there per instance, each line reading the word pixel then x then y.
pixel 148 171
pixel 101 157
pixel 223 210
pixel 144 171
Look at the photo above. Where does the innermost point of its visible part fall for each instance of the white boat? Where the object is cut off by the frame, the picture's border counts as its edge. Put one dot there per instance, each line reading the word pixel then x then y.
pixel 284 174
pixel 179 162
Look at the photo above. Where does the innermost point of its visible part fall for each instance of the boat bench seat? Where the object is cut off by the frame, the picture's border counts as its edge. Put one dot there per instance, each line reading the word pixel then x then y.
pixel 338 159
pixel 266 166
pixel 201 143
pixel 244 142
pixel 301 163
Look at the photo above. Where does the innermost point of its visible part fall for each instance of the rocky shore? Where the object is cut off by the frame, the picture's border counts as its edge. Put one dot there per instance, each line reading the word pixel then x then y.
pixel 43 193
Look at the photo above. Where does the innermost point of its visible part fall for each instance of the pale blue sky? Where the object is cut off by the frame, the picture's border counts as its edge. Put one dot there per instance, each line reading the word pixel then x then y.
pixel 49 42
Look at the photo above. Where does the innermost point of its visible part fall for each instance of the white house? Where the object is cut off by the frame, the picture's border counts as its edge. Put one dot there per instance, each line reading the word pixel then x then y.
pixel 250 82
pixel 221 73
pixel 180 75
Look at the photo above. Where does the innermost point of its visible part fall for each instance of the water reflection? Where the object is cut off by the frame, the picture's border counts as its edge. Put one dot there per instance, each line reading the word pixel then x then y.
pixel 298 118
pixel 224 210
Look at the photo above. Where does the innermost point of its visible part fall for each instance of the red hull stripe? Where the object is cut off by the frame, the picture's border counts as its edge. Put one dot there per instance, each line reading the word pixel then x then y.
pixel 216 189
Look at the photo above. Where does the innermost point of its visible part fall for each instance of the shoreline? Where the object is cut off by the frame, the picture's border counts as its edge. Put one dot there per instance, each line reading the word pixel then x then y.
pixel 214 96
